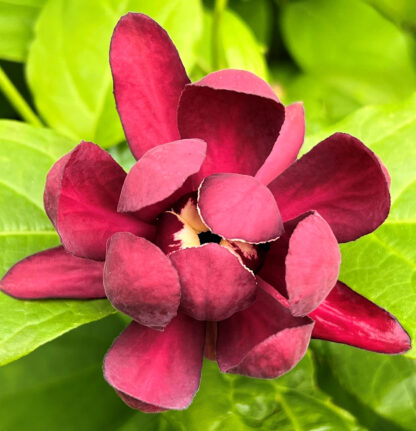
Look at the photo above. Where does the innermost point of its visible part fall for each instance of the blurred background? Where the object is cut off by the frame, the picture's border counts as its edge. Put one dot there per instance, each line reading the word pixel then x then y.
pixel 351 62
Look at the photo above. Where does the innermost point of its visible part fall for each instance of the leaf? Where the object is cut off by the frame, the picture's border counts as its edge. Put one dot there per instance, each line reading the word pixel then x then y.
pixel 382 265
pixel 351 46
pixel 240 49
pixel 17 19
pixel 292 402
pixel 402 12
pixel 26 154
pixel 74 93
pixel 378 389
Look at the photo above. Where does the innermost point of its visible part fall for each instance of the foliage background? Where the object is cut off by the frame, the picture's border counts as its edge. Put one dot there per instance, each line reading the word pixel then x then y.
pixel 353 64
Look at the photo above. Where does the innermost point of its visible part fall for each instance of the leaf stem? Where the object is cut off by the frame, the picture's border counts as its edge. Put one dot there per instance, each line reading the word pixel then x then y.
pixel 16 99
pixel 219 8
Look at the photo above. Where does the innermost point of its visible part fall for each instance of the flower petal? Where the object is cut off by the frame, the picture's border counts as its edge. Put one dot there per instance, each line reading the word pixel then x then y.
pixel 287 146
pixel 214 283
pixel 140 280
pixel 81 197
pixel 160 177
pixel 237 114
pixel 341 179
pixel 54 273
pixel 238 207
pixel 349 318
pixel 160 369
pixel 263 341
pixel 148 80
pixel 303 264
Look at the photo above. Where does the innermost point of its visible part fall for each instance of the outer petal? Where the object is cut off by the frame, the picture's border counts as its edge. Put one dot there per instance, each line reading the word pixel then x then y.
pixel 341 179
pixel 287 146
pixel 160 177
pixel 148 80
pixel 140 280
pixel 264 341
pixel 81 197
pixel 54 273
pixel 304 263
pixel 237 114
pixel 160 369
pixel 238 207
pixel 347 317
pixel 214 283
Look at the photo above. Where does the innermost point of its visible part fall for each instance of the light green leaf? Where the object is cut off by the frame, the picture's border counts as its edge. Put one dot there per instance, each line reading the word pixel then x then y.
pixel 379 389
pixel 348 44
pixel 74 92
pixel 26 155
pixel 402 12
pixel 17 20
pixel 382 265
pixel 291 403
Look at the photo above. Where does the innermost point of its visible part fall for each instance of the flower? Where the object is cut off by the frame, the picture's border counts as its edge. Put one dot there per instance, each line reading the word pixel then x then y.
pixel 218 240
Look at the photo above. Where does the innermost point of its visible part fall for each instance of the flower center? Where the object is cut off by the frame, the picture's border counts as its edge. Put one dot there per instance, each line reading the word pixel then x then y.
pixel 205 237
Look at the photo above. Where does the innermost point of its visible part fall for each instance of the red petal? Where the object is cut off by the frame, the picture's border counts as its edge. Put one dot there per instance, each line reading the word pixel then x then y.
pixel 349 318
pixel 140 280
pixel 238 207
pixel 341 179
pixel 214 283
pixel 264 341
pixel 304 263
pixel 148 80
pixel 237 114
pixel 287 146
pixel 158 179
pixel 54 273
pixel 160 369
pixel 87 186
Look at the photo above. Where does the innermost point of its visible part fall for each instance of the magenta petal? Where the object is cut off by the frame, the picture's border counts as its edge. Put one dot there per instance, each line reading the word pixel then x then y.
pixel 54 273
pixel 148 80
pixel 342 180
pixel 87 186
pixel 287 146
pixel 140 280
pixel 160 369
pixel 263 341
pixel 214 283
pixel 239 117
pixel 304 263
pixel 349 318
pixel 158 179
pixel 238 207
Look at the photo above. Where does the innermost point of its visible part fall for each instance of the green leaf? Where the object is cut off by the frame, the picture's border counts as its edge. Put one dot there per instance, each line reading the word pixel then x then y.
pixel 74 92
pixel 290 403
pixel 382 265
pixel 378 389
pixel 351 46
pixel 26 155
pixel 17 20
pixel 240 49
pixel 402 12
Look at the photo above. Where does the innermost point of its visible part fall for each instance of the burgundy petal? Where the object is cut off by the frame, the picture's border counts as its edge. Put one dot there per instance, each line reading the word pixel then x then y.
pixel 349 318
pixel 148 80
pixel 81 196
pixel 160 369
pixel 287 146
pixel 54 273
pixel 237 114
pixel 304 263
pixel 214 282
pixel 263 341
pixel 160 177
pixel 341 179
pixel 140 280
pixel 238 207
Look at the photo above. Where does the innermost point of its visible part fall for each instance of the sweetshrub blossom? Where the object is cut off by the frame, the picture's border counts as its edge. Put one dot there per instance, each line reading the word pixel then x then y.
pixel 218 240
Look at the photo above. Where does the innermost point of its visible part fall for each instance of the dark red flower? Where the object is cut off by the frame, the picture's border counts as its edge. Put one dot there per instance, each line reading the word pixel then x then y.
pixel 217 239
